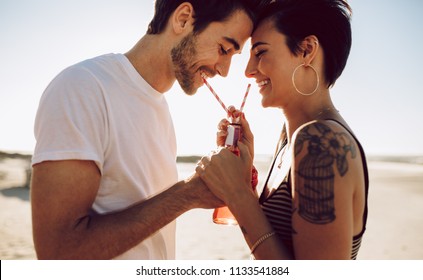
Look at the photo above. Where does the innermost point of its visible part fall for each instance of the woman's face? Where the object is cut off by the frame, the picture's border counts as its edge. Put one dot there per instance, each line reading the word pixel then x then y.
pixel 271 64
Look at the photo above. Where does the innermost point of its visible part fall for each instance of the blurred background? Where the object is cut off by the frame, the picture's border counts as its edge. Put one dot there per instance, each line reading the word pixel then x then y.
pixel 379 94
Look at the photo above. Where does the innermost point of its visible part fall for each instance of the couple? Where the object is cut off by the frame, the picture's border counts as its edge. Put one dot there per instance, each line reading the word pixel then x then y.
pixel 105 184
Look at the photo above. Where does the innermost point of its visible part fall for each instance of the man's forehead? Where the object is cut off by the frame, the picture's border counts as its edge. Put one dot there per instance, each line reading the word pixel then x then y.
pixel 238 22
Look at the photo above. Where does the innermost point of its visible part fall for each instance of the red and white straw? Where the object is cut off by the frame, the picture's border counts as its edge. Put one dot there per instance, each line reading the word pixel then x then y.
pixel 213 92
pixel 204 76
pixel 245 97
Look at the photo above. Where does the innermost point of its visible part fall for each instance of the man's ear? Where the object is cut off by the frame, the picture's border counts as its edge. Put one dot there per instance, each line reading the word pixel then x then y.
pixel 309 46
pixel 182 18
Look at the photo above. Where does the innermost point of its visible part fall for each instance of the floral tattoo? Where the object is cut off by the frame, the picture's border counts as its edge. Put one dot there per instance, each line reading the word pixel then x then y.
pixel 326 150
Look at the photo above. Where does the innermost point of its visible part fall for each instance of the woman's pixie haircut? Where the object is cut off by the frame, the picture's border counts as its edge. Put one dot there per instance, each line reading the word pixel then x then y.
pixel 328 20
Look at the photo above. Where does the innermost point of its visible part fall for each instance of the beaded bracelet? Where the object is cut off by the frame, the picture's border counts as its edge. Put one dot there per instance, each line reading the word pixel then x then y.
pixel 261 240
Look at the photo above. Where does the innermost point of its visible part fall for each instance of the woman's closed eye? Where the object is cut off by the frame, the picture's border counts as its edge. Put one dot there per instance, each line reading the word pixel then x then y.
pixel 259 53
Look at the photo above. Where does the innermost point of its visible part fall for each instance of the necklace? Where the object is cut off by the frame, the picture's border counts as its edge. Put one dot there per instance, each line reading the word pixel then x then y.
pixel 282 152
pixel 281 157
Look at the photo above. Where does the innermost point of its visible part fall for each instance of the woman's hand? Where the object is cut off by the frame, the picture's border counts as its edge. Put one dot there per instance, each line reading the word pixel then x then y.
pixel 200 194
pixel 226 174
pixel 247 135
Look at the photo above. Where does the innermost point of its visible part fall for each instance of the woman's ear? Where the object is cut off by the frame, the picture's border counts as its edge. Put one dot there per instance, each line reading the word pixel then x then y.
pixel 182 18
pixel 310 47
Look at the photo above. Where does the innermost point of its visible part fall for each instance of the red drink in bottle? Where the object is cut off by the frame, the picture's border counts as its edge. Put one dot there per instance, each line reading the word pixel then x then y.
pixel 223 215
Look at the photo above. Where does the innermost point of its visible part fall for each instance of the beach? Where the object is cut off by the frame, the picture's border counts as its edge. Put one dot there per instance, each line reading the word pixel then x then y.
pixel 394 227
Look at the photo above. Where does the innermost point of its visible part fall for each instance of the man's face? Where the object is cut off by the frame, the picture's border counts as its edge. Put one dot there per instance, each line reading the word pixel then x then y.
pixel 182 54
pixel 210 51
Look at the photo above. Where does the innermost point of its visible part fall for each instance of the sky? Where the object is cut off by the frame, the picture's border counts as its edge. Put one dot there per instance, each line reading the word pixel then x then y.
pixel 380 93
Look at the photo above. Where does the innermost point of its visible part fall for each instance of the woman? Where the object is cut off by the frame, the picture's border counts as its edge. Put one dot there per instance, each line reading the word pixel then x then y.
pixel 314 202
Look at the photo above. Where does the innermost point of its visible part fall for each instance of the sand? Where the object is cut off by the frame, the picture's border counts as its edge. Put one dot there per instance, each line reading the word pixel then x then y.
pixel 394 230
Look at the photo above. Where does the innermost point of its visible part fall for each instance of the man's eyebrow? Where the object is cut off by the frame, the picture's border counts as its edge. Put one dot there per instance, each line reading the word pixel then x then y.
pixel 255 45
pixel 233 42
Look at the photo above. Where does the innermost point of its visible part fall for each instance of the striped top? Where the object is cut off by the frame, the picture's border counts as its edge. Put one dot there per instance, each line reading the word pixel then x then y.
pixel 278 206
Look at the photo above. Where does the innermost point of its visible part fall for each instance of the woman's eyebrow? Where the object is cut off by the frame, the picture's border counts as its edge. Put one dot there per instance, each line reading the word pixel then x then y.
pixel 255 45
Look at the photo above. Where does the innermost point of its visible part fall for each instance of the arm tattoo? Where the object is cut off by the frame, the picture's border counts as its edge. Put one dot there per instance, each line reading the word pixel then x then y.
pixel 326 150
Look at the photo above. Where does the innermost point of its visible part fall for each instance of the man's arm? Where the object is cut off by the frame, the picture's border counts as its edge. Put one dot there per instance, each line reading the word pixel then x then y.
pixel 62 194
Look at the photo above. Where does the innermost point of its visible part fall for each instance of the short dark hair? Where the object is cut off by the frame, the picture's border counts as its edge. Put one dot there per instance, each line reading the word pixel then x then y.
pixel 205 12
pixel 329 20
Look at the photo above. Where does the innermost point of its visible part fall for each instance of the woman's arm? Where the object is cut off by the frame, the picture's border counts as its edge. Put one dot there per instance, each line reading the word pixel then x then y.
pixel 325 172
pixel 229 178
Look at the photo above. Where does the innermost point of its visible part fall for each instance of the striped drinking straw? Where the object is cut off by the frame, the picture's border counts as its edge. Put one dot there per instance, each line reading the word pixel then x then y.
pixel 204 76
pixel 213 92
pixel 245 97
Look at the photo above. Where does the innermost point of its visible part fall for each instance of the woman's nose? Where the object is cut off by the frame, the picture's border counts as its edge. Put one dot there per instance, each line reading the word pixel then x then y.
pixel 250 70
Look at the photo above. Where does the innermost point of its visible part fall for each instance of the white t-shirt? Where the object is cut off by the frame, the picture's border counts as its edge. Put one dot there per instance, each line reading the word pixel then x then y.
pixel 102 110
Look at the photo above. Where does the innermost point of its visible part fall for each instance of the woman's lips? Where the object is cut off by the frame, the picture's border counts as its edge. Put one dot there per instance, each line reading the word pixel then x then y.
pixel 263 83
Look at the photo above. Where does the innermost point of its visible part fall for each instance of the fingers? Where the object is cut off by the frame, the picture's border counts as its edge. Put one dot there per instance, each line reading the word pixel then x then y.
pixel 202 194
pixel 199 170
pixel 246 128
pixel 244 152
pixel 232 111
pixel 247 135
pixel 214 156
pixel 221 134
pixel 203 163
pixel 223 124
pixel 236 114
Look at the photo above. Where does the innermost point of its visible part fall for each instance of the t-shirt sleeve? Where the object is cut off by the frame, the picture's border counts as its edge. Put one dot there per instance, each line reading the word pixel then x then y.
pixel 71 121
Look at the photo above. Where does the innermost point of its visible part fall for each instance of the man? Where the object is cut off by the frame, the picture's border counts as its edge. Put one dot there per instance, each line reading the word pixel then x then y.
pixel 104 179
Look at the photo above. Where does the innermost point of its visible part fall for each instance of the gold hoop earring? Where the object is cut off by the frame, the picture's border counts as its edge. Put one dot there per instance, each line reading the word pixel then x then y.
pixel 295 86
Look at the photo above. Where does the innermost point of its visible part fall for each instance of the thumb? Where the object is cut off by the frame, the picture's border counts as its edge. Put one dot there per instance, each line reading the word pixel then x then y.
pixel 246 128
pixel 244 152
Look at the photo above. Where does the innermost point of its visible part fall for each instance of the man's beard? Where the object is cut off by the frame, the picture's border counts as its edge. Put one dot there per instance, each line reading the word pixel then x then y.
pixel 182 56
